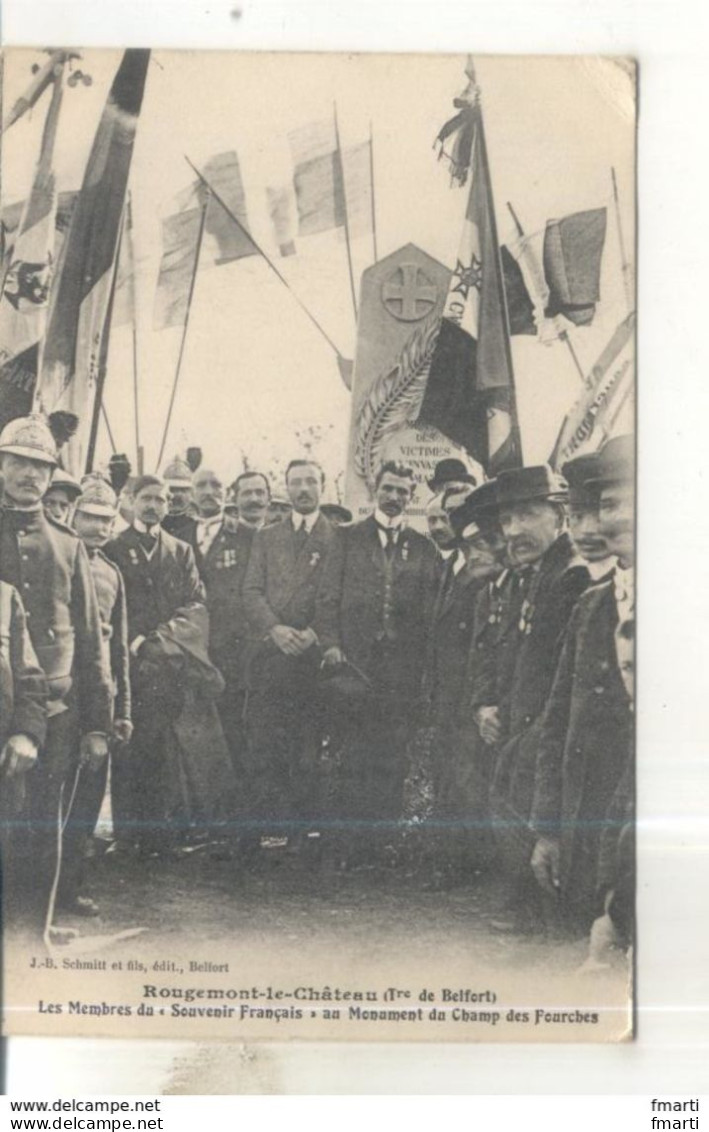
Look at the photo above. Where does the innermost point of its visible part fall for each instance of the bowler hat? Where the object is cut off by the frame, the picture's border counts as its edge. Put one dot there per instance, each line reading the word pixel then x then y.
pixel 450 471
pixel 616 461
pixel 580 474
pixel 479 508
pixel 523 485
pixel 336 513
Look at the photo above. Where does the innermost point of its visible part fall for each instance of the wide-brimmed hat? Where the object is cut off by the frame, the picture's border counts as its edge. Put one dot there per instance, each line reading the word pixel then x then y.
pixel 524 485
pixel 450 471
pixel 479 510
pixel 616 461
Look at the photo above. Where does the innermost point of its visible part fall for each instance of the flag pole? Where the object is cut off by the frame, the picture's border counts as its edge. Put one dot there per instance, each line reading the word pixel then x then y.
pixel 341 166
pixel 103 361
pixel 198 248
pixel 531 259
pixel 623 256
pixel 107 423
pixel 371 189
pixel 515 429
pixel 263 255
pixel 136 415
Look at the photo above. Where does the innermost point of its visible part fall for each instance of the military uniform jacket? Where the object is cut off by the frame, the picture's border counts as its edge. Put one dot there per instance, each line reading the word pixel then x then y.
pixel 157 587
pixel 223 570
pixel 23 686
pixel 586 737
pixel 358 610
pixel 281 583
pixel 111 596
pixel 451 633
pixel 48 565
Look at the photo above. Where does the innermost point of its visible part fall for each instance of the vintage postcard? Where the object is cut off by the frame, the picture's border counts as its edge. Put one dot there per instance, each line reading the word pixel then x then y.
pixel 317 604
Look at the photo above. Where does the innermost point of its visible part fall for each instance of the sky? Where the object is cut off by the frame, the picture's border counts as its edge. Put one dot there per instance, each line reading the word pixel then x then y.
pixel 256 375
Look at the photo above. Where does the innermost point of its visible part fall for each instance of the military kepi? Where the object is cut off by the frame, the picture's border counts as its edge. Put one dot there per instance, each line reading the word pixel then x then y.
pixel 31 437
pixel 524 485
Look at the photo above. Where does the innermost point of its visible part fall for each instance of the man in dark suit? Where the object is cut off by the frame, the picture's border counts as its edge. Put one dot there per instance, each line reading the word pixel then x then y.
pixel 373 618
pixel 161 582
pixel 459 763
pixel 284 710
pixel 531 507
pixel 47 564
pixel 585 746
pixel 223 569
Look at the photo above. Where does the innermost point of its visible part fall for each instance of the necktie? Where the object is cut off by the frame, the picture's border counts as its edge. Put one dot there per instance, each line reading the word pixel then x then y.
pixel 147 541
pixel 301 535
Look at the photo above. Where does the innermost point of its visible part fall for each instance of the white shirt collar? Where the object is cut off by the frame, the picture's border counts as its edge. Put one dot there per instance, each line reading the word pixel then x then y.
pixel 598 570
pixel 388 524
pixel 307 521
pixel 143 528
pixel 209 520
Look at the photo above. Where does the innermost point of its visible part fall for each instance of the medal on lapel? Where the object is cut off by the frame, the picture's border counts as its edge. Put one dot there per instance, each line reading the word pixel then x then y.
pixel 404 551
pixel 133 555
pixel 314 558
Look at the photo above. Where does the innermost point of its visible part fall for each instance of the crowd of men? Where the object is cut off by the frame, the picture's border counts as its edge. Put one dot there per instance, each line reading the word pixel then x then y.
pixel 260 672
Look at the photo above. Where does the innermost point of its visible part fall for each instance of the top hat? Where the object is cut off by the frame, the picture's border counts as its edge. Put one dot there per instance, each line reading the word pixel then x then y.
pixel 523 485
pixel 616 461
pixel 450 471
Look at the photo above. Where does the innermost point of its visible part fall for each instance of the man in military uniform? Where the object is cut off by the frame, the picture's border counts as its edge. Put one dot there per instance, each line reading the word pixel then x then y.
pixel 586 740
pixel 531 507
pixel 96 509
pixel 373 618
pixel 61 495
pixel 23 725
pixel 162 584
pixel 284 713
pixel 179 521
pixel 48 565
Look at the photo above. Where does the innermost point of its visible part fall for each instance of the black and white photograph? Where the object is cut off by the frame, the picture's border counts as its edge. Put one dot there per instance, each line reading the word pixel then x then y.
pixel 317 545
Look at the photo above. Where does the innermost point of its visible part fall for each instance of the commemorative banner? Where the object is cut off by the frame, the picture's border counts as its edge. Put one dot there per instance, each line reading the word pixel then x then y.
pixel 317 603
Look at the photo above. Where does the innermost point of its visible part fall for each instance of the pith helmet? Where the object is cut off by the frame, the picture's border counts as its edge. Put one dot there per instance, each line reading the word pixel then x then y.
pixel 177 473
pixel 97 498
pixel 31 437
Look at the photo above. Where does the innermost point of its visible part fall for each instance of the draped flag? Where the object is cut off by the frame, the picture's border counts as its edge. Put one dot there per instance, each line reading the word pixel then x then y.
pixel 555 273
pixel 280 211
pixel 332 185
pixel 85 273
pixel 590 421
pixel 30 253
pixel 572 264
pixel 223 239
pixel 469 394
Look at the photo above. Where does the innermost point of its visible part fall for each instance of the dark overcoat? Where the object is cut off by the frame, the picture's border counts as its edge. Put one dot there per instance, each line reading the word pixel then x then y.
pixel 585 742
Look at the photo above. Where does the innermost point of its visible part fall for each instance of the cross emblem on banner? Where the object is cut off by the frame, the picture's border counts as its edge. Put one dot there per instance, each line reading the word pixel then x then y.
pixel 408 293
